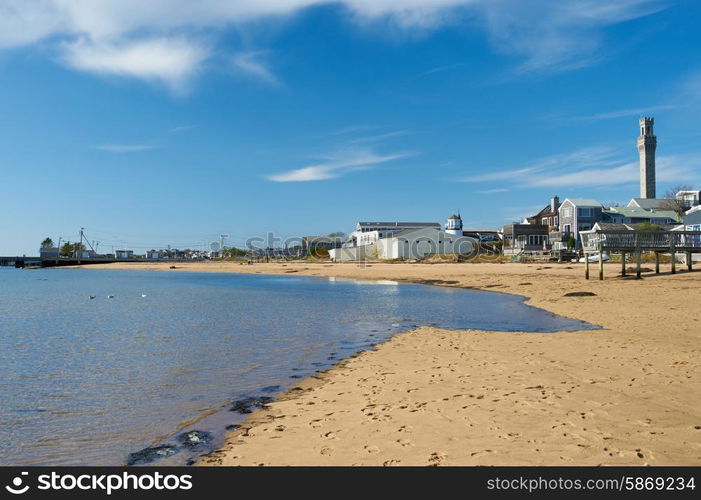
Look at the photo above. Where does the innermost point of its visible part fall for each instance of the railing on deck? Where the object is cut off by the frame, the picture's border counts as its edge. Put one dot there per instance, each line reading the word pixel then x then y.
pixel 630 240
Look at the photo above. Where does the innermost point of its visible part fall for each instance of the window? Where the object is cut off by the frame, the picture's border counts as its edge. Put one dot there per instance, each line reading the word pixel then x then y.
pixel 584 212
pixel 537 239
pixel 567 212
pixel 545 221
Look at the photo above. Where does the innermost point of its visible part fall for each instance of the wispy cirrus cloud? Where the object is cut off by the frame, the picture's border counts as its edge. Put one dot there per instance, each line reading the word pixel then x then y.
pixel 624 113
pixel 180 128
pixel 590 167
pixel 253 63
pixel 338 164
pixel 380 137
pixel 441 69
pixel 494 191
pixel 162 40
pixel 556 35
pixel 126 148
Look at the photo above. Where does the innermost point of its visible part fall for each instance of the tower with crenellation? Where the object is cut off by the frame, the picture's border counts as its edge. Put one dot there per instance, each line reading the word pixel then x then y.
pixel 647 143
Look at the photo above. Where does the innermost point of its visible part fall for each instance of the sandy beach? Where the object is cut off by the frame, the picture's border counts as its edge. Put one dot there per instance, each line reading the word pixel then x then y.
pixel 626 394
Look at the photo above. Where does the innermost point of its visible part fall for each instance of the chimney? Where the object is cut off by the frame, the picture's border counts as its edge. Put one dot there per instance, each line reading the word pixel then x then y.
pixel 554 204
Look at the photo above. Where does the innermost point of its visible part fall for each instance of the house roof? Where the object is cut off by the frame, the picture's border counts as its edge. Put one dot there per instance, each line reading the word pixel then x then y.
pixel 692 217
pixel 647 203
pixel 583 202
pixel 545 211
pixel 398 224
pixel 639 213
pixel 409 231
pixel 525 229
pixel 612 226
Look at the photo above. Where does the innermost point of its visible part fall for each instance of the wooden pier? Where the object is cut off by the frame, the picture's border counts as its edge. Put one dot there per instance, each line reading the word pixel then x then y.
pixel 24 261
pixel 635 243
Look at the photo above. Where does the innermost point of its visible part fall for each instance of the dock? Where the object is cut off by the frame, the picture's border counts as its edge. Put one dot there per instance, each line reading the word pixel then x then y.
pixel 25 261
pixel 635 243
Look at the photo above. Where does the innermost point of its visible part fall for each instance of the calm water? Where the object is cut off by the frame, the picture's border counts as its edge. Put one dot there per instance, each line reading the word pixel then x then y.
pixel 88 381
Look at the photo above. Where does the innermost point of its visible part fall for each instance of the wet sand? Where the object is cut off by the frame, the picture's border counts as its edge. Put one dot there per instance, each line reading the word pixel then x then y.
pixel 627 394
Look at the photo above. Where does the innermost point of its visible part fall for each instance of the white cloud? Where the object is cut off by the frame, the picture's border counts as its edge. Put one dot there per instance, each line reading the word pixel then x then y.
pixel 252 63
pixel 170 61
pixel 339 164
pixel 160 40
pixel 125 148
pixel 590 167
pixel 494 191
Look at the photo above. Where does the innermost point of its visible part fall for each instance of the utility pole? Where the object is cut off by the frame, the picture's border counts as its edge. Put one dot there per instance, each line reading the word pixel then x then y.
pixel 78 249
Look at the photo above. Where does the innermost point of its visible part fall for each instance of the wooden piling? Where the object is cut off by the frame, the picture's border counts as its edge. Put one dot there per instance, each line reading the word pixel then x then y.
pixel 657 262
pixel 674 262
pixel 623 263
pixel 689 262
pixel 674 257
pixel 639 260
pixel 601 265
pixel 586 266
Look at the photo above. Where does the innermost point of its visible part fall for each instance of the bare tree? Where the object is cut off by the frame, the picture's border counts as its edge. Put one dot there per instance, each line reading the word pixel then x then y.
pixel 670 199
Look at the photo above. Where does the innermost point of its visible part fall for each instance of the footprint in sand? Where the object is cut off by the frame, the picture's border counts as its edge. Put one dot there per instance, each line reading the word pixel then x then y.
pixel 483 452
pixel 436 458
pixel 372 449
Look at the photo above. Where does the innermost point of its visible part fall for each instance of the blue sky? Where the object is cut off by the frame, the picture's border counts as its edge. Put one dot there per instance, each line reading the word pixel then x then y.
pixel 170 122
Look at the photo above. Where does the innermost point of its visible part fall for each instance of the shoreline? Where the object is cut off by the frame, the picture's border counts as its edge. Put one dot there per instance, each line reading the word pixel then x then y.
pixel 619 395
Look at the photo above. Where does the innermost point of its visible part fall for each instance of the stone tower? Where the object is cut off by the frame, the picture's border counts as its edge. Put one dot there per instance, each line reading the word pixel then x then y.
pixel 647 143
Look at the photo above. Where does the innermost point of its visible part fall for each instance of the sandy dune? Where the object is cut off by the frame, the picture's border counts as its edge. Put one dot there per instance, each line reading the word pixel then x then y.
pixel 627 394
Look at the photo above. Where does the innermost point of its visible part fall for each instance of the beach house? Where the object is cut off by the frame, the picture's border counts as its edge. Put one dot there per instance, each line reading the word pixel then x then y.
pixel 529 238
pixel 578 214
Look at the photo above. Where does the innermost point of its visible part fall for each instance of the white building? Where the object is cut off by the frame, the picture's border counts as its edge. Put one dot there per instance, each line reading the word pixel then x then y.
pixel 49 252
pixel 410 243
pixel 368 233
pixel 124 254
pixel 689 199
pixel 419 243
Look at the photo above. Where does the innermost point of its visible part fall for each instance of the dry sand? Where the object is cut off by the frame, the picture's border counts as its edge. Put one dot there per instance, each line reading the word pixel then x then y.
pixel 627 394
